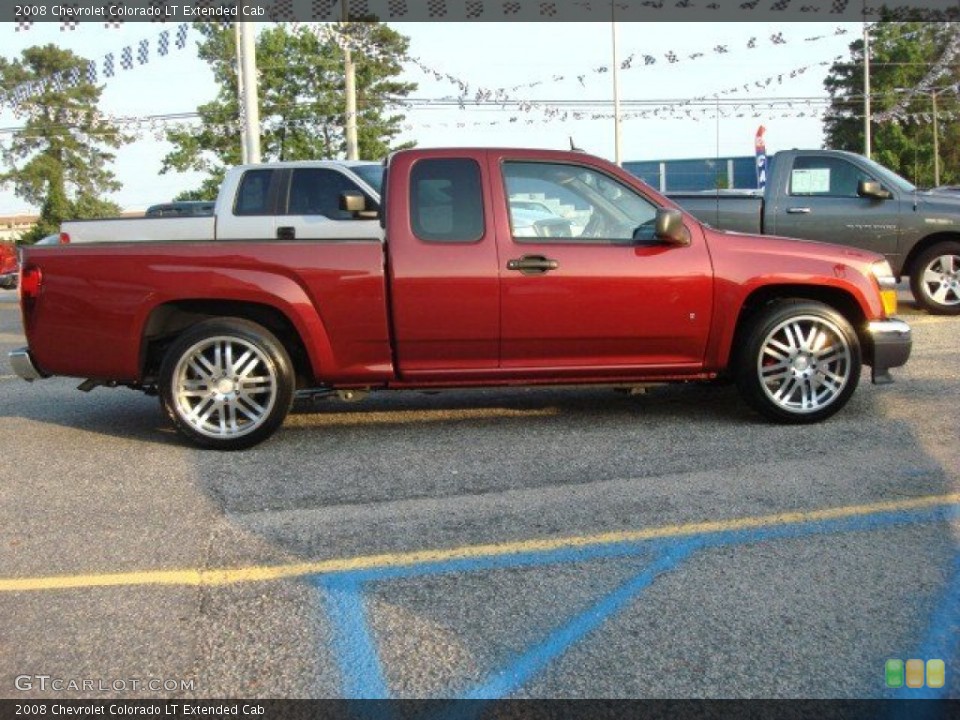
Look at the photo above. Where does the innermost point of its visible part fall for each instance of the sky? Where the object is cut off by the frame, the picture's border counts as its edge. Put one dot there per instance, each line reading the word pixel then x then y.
pixel 547 66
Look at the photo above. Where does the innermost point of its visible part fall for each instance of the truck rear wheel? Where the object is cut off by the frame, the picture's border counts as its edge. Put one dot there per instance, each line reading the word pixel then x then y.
pixel 800 363
pixel 935 279
pixel 226 383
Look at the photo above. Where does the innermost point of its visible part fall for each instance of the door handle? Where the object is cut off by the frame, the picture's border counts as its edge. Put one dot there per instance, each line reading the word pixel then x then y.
pixel 798 211
pixel 533 264
pixel 287 232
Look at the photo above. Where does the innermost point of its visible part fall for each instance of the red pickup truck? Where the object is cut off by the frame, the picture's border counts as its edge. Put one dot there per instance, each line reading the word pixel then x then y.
pixel 498 267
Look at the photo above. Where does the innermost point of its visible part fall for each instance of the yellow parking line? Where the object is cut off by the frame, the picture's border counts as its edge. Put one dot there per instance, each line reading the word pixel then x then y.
pixel 261 573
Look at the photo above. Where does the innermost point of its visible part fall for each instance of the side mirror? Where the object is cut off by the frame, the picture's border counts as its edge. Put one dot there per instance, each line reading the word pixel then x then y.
pixel 352 202
pixel 872 189
pixel 356 204
pixel 670 229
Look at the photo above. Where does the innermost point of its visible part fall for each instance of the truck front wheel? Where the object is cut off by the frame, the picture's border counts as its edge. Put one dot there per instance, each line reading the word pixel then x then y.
pixel 226 383
pixel 800 362
pixel 935 279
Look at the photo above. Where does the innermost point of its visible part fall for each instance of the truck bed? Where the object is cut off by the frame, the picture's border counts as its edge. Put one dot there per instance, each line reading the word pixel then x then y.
pixel 97 299
pixel 736 210
pixel 140 229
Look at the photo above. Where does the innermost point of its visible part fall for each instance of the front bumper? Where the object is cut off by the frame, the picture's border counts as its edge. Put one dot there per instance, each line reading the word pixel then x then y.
pixel 23 365
pixel 891 342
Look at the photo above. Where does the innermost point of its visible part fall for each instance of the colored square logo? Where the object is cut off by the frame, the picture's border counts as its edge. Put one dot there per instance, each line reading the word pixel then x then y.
pixel 893 673
pixel 936 673
pixel 914 673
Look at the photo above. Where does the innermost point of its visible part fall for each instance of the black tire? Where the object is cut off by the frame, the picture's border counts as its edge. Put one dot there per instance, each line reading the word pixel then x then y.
pixel 935 278
pixel 800 362
pixel 208 391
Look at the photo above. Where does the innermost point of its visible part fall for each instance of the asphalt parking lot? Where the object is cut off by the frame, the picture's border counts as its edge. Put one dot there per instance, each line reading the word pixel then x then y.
pixel 508 543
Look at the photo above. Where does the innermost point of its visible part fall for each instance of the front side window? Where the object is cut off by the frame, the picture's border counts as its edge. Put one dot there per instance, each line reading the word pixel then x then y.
pixel 317 191
pixel 446 200
pixel 573 203
pixel 825 177
pixel 254 195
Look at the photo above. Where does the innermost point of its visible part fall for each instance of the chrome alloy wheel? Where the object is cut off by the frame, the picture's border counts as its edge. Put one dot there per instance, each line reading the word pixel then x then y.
pixel 224 387
pixel 804 364
pixel 941 280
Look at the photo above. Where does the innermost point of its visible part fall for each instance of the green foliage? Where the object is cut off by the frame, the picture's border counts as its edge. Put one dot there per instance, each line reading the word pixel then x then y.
pixel 902 54
pixel 301 101
pixel 59 160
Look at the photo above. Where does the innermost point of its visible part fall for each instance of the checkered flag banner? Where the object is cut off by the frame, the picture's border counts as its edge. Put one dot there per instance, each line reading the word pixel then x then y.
pixel 113 23
pixel 68 25
pixel 24 25
pixel 143 52
pixel 163 43
pixel 126 58
pixel 182 35
pixel 74 76
pixel 108 65
pixel 92 73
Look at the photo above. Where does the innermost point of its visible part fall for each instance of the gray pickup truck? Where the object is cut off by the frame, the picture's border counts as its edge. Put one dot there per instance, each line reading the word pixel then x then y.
pixel 844 198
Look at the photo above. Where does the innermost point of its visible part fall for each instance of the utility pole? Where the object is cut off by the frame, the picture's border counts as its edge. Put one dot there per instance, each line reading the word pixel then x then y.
pixel 616 87
pixel 866 86
pixel 251 107
pixel 350 88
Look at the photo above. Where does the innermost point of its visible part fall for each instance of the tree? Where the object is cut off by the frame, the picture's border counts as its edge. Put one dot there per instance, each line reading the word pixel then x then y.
pixel 301 95
pixel 59 159
pixel 903 56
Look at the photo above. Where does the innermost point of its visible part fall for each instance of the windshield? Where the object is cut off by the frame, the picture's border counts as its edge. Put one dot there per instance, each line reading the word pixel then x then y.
pixel 372 175
pixel 888 176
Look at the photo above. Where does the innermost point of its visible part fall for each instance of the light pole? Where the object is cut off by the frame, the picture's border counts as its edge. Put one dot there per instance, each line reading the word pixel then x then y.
pixel 251 107
pixel 350 90
pixel 240 86
pixel 866 86
pixel 616 87
pixel 936 142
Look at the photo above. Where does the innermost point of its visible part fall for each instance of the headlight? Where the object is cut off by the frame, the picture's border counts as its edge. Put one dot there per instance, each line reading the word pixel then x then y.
pixel 887 282
pixel 884 274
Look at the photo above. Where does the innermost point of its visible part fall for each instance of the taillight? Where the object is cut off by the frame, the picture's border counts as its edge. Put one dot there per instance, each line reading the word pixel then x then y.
pixel 64 238
pixel 31 278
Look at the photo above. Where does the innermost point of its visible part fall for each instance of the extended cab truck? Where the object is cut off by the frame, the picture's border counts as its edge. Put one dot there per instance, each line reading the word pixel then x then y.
pixel 845 198
pixel 625 289
pixel 289 200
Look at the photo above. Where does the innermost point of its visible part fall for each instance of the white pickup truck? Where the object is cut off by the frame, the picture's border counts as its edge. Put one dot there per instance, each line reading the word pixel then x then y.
pixel 283 200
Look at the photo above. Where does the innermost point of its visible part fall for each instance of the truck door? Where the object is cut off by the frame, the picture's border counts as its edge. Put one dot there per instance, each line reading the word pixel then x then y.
pixel 312 208
pixel 585 287
pixel 442 266
pixel 818 200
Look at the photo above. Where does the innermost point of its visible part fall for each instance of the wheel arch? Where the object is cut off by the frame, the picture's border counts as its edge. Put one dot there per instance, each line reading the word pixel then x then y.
pixel 168 320
pixel 921 246
pixel 761 298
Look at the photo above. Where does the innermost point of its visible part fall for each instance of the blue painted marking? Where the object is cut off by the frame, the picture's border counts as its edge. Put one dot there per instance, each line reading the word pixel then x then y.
pixel 508 680
pixel 355 648
pixel 353 643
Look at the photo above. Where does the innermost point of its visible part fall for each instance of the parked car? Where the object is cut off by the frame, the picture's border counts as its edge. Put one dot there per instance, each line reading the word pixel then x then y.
pixel 9 266
pixel 847 199
pixel 227 332
pixel 284 200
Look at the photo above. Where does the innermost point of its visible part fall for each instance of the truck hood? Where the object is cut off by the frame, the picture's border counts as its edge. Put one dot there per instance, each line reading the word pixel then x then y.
pixel 792 247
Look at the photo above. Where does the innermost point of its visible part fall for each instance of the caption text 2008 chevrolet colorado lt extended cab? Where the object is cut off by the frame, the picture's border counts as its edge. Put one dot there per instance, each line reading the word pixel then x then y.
pixel 499 267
